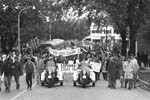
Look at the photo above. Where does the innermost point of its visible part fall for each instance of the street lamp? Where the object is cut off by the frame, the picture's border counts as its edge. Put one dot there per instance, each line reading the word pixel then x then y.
pixel 19 24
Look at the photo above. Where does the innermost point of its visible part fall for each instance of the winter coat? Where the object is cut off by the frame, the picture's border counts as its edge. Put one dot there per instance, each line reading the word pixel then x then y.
pixel 17 69
pixel 8 68
pixel 135 66
pixel 104 66
pixel 120 66
pixel 29 67
pixel 1 67
pixel 112 69
pixel 128 69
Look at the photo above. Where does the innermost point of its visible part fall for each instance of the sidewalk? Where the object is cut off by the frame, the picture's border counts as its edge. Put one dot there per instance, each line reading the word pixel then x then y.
pixel 144 78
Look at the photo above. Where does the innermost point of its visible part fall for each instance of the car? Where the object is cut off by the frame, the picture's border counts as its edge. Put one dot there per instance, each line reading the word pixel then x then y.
pixel 50 78
pixel 83 78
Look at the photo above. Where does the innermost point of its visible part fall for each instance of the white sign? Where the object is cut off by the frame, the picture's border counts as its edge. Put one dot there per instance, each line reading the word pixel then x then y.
pixel 67 68
pixel 95 66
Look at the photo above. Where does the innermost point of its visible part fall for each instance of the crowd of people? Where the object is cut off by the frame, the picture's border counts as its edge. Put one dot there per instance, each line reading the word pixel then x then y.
pixel 112 67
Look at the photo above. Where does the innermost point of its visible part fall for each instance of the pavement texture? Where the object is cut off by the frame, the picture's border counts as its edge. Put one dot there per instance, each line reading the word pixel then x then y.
pixel 69 92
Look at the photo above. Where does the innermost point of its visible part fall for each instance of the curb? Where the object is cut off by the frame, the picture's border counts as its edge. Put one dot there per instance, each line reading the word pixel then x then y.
pixel 146 83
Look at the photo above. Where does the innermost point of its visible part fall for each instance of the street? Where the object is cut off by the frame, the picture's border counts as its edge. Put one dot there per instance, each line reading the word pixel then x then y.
pixel 68 92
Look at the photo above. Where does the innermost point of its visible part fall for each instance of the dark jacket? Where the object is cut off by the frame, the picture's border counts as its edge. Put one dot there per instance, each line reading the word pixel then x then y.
pixel 8 68
pixel 1 67
pixel 120 66
pixel 112 69
pixel 29 67
pixel 17 69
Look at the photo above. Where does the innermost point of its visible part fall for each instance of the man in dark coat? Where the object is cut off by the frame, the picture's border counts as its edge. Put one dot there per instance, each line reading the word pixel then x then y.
pixel 112 72
pixel 8 74
pixel 121 72
pixel 17 71
pixel 29 68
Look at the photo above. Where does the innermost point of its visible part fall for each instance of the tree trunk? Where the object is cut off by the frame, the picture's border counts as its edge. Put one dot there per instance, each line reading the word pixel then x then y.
pixel 124 43
pixel 3 44
pixel 132 41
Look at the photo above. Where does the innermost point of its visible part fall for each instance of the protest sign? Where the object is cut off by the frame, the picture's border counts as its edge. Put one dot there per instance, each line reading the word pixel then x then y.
pixel 95 66
pixel 67 68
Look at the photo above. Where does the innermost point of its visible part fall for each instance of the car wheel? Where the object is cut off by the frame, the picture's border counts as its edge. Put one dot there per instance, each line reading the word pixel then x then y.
pixel 42 83
pixel 49 85
pixel 61 83
pixel 74 84
pixel 83 85
pixel 93 84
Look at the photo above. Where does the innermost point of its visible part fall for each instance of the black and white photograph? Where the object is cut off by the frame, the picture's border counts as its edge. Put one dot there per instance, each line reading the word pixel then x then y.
pixel 74 49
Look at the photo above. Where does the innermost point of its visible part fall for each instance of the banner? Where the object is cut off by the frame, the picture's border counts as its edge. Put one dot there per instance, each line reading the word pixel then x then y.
pixel 67 68
pixel 65 52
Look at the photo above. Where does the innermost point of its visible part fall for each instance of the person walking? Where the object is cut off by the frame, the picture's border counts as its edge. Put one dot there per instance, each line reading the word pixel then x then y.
pixel 121 72
pixel 112 72
pixel 17 71
pixel 39 66
pixel 105 68
pixel 8 74
pixel 29 69
pixel 128 75
pixel 135 70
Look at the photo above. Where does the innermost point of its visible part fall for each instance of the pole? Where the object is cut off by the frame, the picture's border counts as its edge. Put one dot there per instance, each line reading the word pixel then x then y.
pixel 106 37
pixel 136 48
pixel 50 31
pixel 19 32
pixel 19 26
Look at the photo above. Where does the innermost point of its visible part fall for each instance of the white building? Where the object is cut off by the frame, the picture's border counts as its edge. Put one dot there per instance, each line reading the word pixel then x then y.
pixel 100 34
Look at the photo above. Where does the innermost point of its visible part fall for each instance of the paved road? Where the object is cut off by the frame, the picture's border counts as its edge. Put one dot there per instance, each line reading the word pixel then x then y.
pixel 68 92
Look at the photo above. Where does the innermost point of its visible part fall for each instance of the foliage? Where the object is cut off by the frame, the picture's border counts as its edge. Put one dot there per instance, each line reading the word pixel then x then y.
pixel 70 19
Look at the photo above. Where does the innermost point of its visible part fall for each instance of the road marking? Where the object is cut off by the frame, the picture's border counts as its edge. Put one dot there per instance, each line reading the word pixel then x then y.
pixel 22 92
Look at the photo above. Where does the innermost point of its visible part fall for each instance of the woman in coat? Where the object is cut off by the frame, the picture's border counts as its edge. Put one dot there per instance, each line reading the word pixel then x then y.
pixel 128 75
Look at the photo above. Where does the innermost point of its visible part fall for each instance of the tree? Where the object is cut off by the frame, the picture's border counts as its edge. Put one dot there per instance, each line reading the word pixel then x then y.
pixel 7 26
pixel 32 22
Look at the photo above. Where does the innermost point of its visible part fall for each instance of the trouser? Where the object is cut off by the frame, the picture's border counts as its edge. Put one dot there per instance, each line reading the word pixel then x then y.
pixel 75 75
pixel 130 83
pixel 17 81
pixel 29 79
pixel 112 81
pixel 97 74
pixel 60 75
pixel 122 81
pixel 7 82
pixel 134 80
pixel 38 77
pixel 105 75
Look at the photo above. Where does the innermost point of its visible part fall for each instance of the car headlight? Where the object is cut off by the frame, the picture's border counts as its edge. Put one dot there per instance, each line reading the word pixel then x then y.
pixel 84 76
pixel 49 76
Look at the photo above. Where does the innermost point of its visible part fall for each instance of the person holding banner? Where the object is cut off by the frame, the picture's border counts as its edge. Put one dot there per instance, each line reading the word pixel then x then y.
pixel 96 67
